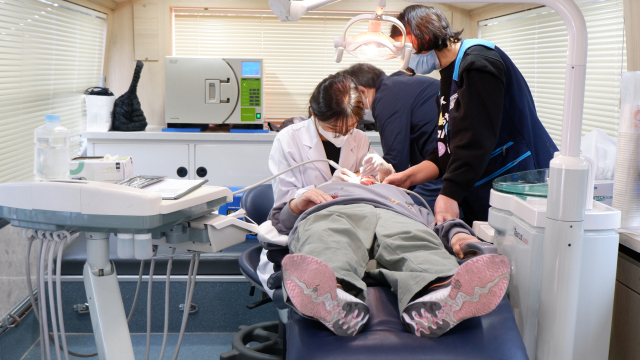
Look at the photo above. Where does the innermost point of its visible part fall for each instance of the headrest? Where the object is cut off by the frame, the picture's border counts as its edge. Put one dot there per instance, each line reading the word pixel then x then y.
pixel 258 202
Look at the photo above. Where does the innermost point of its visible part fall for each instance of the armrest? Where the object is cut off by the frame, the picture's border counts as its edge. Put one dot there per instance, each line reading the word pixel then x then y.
pixel 476 249
pixel 480 248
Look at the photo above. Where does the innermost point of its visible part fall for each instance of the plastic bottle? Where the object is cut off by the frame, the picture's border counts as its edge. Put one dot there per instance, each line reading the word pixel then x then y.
pixel 143 246
pixel 51 150
pixel 125 246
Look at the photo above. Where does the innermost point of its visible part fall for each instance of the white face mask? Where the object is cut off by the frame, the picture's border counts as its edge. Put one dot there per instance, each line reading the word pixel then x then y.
pixel 368 114
pixel 424 63
pixel 336 139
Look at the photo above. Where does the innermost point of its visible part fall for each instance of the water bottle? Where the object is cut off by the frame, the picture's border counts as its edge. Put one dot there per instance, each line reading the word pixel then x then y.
pixel 51 150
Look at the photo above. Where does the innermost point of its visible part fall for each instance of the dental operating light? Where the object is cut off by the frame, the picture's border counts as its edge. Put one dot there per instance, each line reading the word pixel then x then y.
pixel 374 44
pixel 370 45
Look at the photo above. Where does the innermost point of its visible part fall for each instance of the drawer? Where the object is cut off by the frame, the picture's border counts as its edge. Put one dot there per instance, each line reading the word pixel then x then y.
pixel 625 326
pixel 236 164
pixel 628 272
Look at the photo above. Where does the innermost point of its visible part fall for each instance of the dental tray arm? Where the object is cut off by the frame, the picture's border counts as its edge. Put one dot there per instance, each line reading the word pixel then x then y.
pixel 222 221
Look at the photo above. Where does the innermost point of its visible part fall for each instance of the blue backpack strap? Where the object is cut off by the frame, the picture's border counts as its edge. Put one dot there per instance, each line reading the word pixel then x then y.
pixel 463 47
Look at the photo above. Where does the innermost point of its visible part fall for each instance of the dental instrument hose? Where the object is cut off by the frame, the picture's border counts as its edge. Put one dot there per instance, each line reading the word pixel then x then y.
pixel 335 166
pixel 150 288
pixel 44 322
pixel 331 162
pixel 191 284
pixel 166 305
pixel 63 335
pixel 52 304
pixel 37 304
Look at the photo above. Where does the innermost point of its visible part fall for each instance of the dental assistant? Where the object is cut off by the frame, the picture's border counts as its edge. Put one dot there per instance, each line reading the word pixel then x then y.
pixel 405 113
pixel 335 108
pixel 488 125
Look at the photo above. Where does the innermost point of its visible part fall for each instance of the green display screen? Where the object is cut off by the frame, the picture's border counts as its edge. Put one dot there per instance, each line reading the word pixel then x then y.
pixel 251 92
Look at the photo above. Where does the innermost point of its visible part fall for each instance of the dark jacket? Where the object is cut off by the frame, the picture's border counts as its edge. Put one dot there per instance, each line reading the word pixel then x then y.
pixel 488 126
pixel 406 116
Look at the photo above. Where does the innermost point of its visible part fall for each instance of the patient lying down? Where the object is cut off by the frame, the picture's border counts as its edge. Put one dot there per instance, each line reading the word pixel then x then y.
pixel 336 229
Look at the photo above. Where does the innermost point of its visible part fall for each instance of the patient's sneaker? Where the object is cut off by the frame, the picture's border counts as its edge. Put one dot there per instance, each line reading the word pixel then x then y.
pixel 476 289
pixel 312 287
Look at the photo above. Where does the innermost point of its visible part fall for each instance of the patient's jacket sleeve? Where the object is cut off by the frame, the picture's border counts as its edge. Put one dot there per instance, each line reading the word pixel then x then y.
pixel 282 218
pixel 449 228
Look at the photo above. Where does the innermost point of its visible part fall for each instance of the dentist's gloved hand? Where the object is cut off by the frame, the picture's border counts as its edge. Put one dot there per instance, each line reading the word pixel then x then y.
pixel 375 164
pixel 344 175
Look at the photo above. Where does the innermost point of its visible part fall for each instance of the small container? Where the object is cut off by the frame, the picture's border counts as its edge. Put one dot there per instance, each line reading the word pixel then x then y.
pixel 125 246
pixel 143 246
pixel 99 110
pixel 51 155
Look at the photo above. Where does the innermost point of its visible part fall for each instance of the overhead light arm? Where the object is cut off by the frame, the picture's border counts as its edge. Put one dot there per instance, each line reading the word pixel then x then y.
pixel 290 10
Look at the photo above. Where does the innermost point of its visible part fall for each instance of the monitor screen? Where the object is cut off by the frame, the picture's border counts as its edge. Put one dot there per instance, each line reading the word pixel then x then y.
pixel 250 68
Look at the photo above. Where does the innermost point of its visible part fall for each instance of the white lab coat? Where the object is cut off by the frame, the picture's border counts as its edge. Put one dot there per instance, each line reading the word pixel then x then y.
pixel 301 142
pixel 293 145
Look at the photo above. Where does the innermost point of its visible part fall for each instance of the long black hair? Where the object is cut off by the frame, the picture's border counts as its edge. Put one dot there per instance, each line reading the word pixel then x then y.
pixel 336 101
pixel 428 26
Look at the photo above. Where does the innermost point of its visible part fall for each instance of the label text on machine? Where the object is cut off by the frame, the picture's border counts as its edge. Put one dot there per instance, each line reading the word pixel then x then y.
pixel 519 236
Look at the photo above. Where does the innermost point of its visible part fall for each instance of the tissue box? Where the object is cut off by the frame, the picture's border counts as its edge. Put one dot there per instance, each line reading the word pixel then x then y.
pixel 603 191
pixel 99 169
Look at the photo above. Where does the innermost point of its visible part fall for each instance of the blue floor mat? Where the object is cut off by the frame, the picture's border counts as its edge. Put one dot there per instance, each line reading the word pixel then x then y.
pixel 194 346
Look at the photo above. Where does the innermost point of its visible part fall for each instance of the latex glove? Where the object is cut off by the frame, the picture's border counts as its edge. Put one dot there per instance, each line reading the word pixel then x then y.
pixel 446 209
pixel 344 175
pixel 375 164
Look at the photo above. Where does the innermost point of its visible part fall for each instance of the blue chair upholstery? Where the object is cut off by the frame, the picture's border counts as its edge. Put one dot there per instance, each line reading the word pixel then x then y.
pixel 249 261
pixel 494 336
pixel 258 202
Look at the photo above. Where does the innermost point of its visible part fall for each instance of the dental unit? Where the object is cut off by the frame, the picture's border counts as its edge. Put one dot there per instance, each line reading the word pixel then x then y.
pixel 55 213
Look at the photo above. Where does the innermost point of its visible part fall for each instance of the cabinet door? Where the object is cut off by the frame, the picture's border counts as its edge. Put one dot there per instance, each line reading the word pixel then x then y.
pixel 151 159
pixel 625 326
pixel 233 164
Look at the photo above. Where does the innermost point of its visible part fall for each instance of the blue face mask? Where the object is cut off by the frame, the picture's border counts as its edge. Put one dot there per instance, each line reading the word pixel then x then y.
pixel 424 63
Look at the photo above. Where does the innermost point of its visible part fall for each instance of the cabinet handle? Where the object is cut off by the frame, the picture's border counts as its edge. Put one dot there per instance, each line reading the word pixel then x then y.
pixel 201 171
pixel 182 171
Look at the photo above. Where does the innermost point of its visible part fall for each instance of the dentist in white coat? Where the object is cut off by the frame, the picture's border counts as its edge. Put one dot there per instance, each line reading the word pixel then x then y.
pixel 335 108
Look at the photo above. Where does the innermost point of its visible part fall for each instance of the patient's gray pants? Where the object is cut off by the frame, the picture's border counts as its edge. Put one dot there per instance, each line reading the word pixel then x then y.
pixel 408 254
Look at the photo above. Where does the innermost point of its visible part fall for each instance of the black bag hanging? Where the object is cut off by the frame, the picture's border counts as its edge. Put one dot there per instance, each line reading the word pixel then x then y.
pixel 127 113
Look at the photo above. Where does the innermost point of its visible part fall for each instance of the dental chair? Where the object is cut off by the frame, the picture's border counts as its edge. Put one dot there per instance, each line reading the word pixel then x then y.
pixel 493 336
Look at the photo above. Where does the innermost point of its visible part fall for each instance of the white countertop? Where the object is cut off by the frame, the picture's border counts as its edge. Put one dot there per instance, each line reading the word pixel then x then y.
pixel 177 136
pixel 630 239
